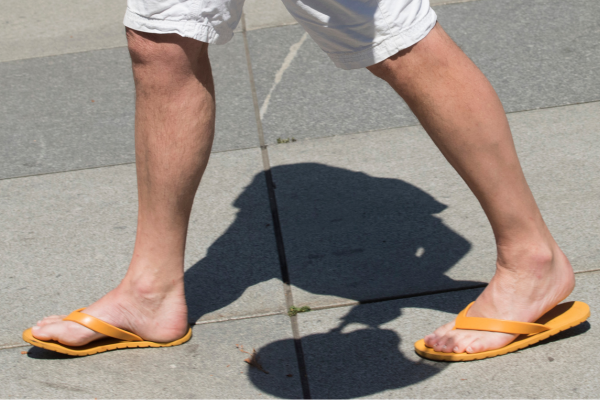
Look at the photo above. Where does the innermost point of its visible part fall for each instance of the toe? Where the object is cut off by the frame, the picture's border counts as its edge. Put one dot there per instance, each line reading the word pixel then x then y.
pixel 432 339
pixel 455 340
pixel 41 332
pixel 452 339
pixel 50 320
pixel 461 344
pixel 441 344
pixel 490 341
pixel 476 346
pixel 444 329
pixel 65 332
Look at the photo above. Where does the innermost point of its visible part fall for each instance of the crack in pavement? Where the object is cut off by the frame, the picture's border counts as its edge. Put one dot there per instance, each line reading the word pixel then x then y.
pixel 287 61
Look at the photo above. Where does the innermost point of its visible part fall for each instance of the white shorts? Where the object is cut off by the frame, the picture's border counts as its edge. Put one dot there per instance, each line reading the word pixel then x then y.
pixel 353 33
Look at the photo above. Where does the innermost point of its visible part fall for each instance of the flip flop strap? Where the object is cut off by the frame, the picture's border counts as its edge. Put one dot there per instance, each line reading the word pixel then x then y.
pixel 100 326
pixel 496 325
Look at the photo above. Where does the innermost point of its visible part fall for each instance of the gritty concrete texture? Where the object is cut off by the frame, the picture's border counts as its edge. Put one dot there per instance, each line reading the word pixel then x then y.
pixel 66 239
pixel 66 112
pixel 533 63
pixel 236 122
pixel 382 214
pixel 208 366
pixel 367 351
pixel 558 148
pixel 77 110
pixel 314 98
pixel 266 13
pixel 34 28
pixel 545 54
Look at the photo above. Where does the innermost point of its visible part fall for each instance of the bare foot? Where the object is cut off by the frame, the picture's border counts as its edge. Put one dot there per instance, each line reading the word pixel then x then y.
pixel 529 281
pixel 155 312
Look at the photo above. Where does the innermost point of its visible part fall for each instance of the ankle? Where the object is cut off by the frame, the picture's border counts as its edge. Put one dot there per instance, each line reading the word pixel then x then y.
pixel 152 286
pixel 534 254
pixel 543 265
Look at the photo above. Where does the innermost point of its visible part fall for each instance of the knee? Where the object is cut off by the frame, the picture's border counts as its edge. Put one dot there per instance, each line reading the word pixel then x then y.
pixel 382 70
pixel 396 73
pixel 144 48
pixel 400 65
pixel 168 54
pixel 430 55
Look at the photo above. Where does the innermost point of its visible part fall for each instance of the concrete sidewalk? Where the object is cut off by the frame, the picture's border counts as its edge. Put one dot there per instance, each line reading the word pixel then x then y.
pixel 381 238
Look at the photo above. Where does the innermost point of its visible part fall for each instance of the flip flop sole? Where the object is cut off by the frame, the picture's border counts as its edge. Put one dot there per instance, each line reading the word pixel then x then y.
pixel 560 318
pixel 99 346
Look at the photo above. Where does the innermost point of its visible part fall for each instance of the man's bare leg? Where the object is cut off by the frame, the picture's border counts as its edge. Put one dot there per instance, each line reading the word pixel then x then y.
pixel 174 128
pixel 461 112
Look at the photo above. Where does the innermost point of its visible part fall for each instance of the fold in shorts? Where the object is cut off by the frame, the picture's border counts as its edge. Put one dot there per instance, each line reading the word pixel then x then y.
pixel 353 33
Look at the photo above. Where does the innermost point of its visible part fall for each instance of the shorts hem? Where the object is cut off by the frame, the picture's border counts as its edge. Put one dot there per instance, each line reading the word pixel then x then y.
pixel 388 47
pixel 201 31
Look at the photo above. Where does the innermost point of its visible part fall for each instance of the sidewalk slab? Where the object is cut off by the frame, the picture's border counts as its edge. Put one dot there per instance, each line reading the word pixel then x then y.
pixel 314 98
pixel 533 63
pixel 382 214
pixel 235 121
pixel 208 366
pixel 34 28
pixel 76 111
pixel 66 112
pixel 546 61
pixel 66 239
pixel 367 351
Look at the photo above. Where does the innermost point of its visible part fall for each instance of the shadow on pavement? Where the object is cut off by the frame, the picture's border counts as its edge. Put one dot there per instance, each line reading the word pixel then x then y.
pixel 569 333
pixel 350 235
pixel 43 354
pixel 354 360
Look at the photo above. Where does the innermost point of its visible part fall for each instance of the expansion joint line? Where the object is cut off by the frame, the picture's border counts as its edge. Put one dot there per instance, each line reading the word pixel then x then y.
pixel 285 276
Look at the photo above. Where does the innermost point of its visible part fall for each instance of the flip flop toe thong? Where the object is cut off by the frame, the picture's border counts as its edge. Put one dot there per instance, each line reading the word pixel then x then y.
pixel 558 319
pixel 117 338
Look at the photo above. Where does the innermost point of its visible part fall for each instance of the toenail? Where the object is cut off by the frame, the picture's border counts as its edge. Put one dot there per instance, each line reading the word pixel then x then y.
pixel 35 328
pixel 455 349
pixel 469 349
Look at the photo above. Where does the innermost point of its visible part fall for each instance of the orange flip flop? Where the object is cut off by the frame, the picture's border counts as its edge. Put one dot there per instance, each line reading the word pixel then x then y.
pixel 560 318
pixel 118 338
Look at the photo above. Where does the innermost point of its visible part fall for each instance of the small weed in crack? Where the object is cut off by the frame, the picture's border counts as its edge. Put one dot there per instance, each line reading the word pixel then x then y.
pixel 280 140
pixel 295 310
